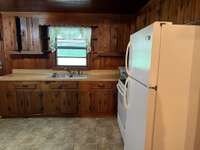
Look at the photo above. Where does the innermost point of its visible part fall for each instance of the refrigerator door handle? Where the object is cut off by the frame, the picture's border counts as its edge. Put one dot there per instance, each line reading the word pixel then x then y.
pixel 126 59
pixel 119 90
pixel 125 94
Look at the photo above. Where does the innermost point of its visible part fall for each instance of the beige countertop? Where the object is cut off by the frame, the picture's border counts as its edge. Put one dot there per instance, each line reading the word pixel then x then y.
pixel 43 75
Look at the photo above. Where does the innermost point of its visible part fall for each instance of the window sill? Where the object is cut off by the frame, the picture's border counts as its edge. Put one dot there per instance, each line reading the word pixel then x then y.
pixel 71 68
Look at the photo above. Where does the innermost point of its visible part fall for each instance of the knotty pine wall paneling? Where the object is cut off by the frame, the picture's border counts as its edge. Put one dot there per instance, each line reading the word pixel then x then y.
pixel 176 11
pixel 8 40
pixel 110 35
pixel 1 48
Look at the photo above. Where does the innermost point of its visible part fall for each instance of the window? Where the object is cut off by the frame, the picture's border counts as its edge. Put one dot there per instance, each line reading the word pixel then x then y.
pixel 71 44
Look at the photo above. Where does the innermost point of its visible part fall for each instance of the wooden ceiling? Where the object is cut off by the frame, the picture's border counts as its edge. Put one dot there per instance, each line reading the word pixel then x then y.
pixel 79 6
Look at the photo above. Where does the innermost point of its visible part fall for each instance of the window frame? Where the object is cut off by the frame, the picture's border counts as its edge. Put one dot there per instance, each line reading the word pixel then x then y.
pixel 71 66
pixel 58 67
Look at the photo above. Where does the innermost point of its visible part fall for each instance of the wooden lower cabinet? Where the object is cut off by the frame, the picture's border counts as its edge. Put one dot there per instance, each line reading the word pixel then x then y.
pixel 97 99
pixel 69 102
pixel 29 102
pixel 51 102
pixel 102 102
pixel 57 99
pixel 85 106
pixel 60 102
pixel 8 103
pixel 97 103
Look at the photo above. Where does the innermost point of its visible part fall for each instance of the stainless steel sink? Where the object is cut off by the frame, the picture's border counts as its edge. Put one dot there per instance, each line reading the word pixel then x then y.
pixel 68 76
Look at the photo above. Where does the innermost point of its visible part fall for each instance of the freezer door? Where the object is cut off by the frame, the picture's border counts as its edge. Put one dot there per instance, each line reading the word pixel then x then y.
pixel 140 117
pixel 144 54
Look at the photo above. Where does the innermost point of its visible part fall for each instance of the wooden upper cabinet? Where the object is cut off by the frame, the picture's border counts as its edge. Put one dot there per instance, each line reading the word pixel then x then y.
pixel 9 33
pixel 28 36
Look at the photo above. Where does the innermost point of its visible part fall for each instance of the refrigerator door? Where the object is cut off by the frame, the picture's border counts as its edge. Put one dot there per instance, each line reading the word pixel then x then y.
pixel 144 54
pixel 140 117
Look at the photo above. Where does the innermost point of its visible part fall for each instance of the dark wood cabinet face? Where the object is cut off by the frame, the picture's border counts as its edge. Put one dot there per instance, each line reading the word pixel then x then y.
pixel 29 102
pixel 8 103
pixel 60 101
pixel 85 103
pixel 25 99
pixel 102 101
pixel 69 102
pixel 52 102
pixel 28 37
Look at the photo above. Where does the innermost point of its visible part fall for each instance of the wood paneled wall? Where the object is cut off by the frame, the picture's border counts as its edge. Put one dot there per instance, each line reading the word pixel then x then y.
pixel 7 42
pixel 176 11
pixel 110 35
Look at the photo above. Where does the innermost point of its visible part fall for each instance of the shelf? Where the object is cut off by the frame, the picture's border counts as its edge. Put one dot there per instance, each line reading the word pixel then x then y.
pixel 26 53
pixel 110 54
pixel 29 54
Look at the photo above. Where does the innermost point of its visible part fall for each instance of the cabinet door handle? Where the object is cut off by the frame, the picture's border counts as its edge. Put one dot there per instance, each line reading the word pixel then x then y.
pixel 9 109
pixel 27 103
pixel 8 95
pixel 90 108
pixel 90 94
pixel 40 94
pixel 101 85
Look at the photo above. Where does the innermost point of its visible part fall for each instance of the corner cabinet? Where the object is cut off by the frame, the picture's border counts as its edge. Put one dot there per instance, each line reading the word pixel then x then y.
pixel 85 99
pixel 98 99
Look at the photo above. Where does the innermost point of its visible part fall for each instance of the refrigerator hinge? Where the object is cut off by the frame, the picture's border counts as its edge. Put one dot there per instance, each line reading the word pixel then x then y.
pixel 154 88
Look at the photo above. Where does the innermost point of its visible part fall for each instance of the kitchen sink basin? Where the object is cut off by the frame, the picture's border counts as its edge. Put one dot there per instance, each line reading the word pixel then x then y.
pixel 68 76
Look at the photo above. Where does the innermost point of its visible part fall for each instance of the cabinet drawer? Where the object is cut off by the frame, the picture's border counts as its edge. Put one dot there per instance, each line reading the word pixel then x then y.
pixel 102 85
pixel 25 85
pixel 70 85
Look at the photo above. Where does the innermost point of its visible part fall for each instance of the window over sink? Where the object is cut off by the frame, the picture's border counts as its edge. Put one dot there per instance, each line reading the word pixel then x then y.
pixel 72 45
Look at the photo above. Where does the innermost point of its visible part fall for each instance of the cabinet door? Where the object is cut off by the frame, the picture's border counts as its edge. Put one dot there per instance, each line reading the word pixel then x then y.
pixel 29 102
pixel 11 103
pixel 33 102
pixel 52 102
pixel 85 107
pixel 102 101
pixel 3 104
pixel 24 33
pixel 69 102
pixel 8 105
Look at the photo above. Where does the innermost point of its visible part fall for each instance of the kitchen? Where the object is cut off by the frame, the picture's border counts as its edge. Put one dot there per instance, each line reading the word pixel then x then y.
pixel 69 81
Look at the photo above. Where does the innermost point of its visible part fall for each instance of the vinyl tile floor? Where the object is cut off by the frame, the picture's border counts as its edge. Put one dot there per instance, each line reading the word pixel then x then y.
pixel 60 134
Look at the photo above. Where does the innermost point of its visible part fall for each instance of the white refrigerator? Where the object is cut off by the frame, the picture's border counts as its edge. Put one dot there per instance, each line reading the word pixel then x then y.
pixel 163 87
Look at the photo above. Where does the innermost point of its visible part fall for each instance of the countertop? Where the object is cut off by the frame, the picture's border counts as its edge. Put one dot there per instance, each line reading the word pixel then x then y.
pixel 43 75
